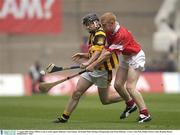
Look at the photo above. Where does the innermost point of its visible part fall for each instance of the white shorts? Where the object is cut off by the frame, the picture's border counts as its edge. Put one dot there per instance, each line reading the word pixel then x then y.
pixel 97 77
pixel 135 61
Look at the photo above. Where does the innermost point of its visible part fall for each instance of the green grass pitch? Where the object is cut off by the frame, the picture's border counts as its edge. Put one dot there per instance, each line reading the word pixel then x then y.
pixel 38 112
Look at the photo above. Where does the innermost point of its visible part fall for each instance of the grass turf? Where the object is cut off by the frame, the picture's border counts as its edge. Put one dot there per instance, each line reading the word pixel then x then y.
pixel 38 112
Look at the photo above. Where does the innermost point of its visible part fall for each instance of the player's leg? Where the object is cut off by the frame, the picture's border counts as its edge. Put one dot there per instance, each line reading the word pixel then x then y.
pixel 103 84
pixel 133 76
pixel 107 98
pixel 82 85
pixel 120 80
pixel 119 83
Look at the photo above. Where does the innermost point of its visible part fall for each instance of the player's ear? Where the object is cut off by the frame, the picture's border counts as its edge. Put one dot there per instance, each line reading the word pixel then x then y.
pixel 112 22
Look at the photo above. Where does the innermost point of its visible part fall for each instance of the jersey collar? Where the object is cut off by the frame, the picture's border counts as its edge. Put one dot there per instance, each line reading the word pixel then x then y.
pixel 117 27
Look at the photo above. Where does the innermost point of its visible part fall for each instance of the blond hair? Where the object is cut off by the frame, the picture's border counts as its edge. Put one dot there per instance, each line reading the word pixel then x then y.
pixel 108 17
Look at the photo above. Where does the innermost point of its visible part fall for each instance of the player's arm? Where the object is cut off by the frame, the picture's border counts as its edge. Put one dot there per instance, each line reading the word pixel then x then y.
pixel 85 55
pixel 95 55
pixel 105 54
pixel 103 57
pixel 78 56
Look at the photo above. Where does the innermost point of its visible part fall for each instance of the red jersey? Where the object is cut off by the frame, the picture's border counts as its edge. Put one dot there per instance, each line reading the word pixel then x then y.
pixel 122 41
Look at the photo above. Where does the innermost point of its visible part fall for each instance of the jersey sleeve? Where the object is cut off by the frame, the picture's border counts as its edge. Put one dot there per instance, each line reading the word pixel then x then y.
pixel 115 48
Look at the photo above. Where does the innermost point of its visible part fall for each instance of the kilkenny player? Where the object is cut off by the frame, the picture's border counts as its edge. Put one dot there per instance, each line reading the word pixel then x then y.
pixel 101 76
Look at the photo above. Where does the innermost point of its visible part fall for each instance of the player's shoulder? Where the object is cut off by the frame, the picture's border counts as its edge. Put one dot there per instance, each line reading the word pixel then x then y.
pixel 123 32
pixel 100 31
pixel 123 29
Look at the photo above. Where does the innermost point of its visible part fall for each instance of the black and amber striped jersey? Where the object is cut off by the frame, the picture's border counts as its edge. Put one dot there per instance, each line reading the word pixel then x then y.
pixel 97 41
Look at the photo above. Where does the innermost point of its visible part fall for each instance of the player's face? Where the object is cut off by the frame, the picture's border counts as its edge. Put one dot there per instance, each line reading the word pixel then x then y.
pixel 91 27
pixel 107 26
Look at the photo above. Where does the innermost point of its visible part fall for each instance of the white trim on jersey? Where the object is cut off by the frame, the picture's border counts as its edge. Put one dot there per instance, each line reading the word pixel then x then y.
pixel 116 47
pixel 116 28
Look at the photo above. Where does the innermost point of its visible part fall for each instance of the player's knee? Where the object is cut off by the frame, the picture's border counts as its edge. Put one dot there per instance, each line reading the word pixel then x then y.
pixel 129 87
pixel 76 95
pixel 118 85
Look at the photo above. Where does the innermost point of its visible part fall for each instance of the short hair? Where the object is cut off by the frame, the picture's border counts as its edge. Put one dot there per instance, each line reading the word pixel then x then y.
pixel 108 16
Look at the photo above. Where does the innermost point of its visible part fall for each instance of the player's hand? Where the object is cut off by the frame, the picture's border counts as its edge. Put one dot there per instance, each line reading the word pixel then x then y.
pixel 77 56
pixel 84 65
